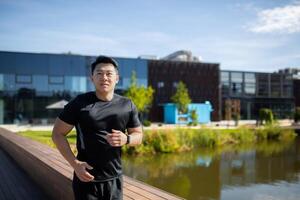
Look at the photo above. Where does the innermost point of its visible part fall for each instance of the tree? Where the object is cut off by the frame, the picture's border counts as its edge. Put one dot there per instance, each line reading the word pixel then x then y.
pixel 141 96
pixel 181 98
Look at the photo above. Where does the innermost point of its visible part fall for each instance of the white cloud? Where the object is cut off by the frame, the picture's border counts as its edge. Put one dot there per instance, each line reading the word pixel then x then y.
pixel 281 19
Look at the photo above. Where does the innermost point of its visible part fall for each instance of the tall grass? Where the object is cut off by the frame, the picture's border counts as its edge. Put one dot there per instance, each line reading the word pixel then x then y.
pixel 184 139
pixel 176 140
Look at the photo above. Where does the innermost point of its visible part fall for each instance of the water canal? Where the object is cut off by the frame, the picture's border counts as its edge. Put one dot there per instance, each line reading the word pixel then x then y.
pixel 265 171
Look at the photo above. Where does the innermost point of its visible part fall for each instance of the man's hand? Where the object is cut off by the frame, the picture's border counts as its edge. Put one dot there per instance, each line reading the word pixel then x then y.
pixel 81 172
pixel 116 138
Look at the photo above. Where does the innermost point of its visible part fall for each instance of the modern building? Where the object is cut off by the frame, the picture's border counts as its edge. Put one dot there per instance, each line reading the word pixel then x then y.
pixel 31 81
pixel 201 79
pixel 295 72
pixel 257 90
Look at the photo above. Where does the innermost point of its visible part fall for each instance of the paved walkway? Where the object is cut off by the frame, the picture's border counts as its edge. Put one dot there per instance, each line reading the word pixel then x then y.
pixel 15 184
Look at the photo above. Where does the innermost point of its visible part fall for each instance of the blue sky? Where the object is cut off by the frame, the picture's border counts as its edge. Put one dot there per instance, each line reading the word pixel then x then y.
pixel 258 35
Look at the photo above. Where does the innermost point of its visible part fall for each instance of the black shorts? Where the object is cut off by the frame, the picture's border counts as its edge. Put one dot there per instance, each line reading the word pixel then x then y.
pixel 106 190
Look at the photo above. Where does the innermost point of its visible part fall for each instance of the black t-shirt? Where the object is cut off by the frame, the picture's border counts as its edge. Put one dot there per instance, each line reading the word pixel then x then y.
pixel 93 119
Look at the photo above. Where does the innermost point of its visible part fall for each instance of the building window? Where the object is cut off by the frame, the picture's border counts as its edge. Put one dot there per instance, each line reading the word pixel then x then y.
pixel 275 90
pixel 250 78
pixel 56 79
pixel 175 84
pixel 23 79
pixel 249 88
pixel 275 85
pixel 160 84
pixel 237 77
pixel 236 88
pixel 262 90
pixel 40 83
pixel 225 88
pixel 287 91
pixel 263 85
pixel 74 84
pixel 225 77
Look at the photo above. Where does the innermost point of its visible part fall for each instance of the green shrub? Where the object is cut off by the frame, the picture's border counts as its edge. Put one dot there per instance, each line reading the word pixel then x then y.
pixel 194 118
pixel 274 133
pixel 186 138
pixel 266 115
pixel 287 135
pixel 192 124
pixel 225 137
pixel 243 135
pixel 164 141
pixel 261 134
pixel 206 138
pixel 146 123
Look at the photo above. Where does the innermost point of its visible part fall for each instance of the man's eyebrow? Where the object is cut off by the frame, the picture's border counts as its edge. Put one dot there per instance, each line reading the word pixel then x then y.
pixel 101 70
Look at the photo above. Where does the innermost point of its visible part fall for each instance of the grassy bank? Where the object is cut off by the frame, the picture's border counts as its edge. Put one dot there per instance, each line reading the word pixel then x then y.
pixel 177 140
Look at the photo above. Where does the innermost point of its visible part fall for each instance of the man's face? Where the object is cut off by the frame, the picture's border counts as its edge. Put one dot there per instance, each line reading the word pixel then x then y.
pixel 105 78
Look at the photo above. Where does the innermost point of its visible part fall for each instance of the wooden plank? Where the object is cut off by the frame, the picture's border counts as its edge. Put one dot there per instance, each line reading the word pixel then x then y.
pixel 126 197
pixel 35 148
pixel 38 170
pixel 135 195
pixel 15 184
pixel 150 189
pixel 148 194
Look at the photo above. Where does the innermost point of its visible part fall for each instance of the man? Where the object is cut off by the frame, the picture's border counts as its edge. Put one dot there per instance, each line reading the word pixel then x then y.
pixel 101 119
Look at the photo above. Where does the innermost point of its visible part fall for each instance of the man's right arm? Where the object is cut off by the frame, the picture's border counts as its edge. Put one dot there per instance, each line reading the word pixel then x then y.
pixel 59 133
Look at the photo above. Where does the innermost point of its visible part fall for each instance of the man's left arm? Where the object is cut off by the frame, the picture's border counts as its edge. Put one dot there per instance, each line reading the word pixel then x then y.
pixel 135 135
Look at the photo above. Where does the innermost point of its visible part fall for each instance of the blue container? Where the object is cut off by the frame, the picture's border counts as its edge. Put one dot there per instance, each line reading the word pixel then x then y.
pixel 172 116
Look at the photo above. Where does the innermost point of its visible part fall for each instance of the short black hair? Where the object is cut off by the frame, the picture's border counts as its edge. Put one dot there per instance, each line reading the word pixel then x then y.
pixel 104 59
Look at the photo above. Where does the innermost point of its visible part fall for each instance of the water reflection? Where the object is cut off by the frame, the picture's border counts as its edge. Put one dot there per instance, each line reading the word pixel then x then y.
pixel 244 172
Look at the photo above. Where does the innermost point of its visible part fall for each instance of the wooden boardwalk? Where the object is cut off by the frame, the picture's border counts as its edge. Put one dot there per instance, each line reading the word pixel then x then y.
pixel 15 183
pixel 46 165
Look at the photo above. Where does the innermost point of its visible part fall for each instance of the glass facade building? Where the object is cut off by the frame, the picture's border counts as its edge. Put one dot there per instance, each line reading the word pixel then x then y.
pixel 259 90
pixel 29 82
